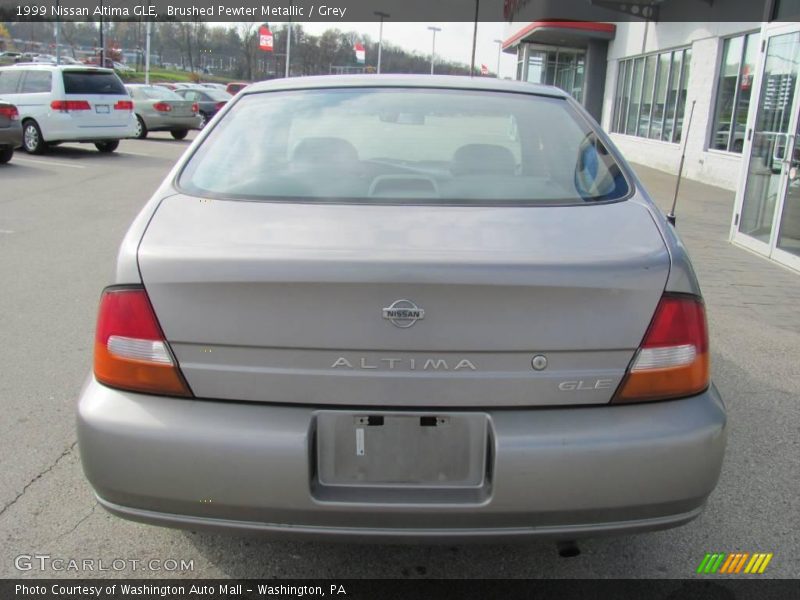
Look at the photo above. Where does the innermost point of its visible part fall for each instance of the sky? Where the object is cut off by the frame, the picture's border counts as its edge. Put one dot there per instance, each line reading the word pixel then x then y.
pixel 453 42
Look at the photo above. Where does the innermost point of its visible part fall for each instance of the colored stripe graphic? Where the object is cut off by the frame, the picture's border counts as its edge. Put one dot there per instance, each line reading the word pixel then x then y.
pixel 733 563
pixel 730 561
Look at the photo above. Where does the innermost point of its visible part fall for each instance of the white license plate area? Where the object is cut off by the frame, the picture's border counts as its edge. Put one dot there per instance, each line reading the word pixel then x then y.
pixel 102 108
pixel 430 450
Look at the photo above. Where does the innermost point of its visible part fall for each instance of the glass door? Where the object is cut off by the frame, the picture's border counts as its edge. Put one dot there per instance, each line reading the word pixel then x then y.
pixel 772 147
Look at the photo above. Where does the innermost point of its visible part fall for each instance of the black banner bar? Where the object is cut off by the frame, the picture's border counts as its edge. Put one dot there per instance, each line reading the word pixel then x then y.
pixel 398 10
pixel 712 588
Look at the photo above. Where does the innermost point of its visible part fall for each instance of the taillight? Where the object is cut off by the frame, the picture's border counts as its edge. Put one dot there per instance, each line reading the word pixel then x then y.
pixel 162 107
pixel 672 361
pixel 67 105
pixel 10 112
pixel 195 107
pixel 123 105
pixel 219 105
pixel 130 351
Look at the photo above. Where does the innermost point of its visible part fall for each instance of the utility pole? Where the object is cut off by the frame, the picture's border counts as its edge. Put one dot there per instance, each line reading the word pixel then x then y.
pixel 147 51
pixel 58 34
pixel 288 46
pixel 433 48
pixel 102 42
pixel 499 53
pixel 474 39
pixel 383 16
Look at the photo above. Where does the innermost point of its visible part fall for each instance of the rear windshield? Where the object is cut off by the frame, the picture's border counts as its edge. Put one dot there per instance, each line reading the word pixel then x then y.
pixel 92 82
pixel 155 93
pixel 218 95
pixel 405 145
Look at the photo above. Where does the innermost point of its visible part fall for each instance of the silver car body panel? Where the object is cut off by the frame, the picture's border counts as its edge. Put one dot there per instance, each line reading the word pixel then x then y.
pixel 552 471
pixel 309 283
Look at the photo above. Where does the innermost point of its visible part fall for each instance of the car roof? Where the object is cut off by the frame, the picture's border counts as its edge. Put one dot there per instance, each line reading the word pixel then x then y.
pixel 52 67
pixel 421 81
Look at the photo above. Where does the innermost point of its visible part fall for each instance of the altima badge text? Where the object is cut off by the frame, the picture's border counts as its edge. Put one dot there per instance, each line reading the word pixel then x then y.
pixel 409 364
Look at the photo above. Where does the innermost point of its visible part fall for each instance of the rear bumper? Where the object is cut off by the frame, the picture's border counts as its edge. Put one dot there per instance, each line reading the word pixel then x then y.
pixel 561 473
pixel 165 123
pixel 62 128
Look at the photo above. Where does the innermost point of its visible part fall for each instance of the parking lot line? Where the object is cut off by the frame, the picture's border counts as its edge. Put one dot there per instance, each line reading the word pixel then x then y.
pixel 46 161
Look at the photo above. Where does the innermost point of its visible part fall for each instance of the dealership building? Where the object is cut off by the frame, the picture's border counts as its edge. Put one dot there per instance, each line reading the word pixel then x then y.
pixel 726 93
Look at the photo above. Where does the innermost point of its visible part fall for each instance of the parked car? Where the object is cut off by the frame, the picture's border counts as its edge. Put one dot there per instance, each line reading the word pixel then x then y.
pixel 59 103
pixel 123 68
pixel 215 86
pixel 209 101
pixel 360 308
pixel 159 109
pixel 235 87
pixel 10 131
pixel 12 56
pixel 95 62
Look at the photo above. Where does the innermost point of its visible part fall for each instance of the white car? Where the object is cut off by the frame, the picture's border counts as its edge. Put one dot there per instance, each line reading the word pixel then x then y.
pixel 65 103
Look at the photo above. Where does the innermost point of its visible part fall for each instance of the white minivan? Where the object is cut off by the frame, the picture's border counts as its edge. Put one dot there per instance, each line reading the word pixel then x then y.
pixel 67 103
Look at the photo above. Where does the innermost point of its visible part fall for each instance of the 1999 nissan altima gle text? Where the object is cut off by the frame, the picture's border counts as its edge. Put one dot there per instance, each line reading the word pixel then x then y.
pixel 402 307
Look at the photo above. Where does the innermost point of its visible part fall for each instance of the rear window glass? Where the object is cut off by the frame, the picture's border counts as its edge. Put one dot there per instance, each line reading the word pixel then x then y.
pixel 404 145
pixel 155 93
pixel 9 80
pixel 92 82
pixel 36 82
pixel 218 95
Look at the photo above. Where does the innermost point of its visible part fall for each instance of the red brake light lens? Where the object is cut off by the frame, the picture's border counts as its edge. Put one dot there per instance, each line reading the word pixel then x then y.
pixel 673 359
pixel 162 107
pixel 69 105
pixel 195 107
pixel 124 105
pixel 219 105
pixel 130 351
pixel 9 112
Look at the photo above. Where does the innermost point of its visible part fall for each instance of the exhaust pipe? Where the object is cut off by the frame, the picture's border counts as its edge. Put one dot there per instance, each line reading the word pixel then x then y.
pixel 568 549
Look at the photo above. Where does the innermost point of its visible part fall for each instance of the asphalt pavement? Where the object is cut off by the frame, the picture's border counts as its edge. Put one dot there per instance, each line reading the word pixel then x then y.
pixel 62 217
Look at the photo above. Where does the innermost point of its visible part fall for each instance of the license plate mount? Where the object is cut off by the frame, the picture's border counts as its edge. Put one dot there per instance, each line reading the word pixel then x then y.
pixel 102 108
pixel 407 450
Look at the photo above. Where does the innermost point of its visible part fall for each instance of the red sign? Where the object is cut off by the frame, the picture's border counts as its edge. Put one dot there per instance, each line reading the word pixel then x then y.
pixel 265 38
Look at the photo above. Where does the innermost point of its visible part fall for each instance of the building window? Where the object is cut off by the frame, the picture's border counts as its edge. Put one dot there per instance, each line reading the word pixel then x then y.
pixel 733 92
pixel 651 95
pixel 562 67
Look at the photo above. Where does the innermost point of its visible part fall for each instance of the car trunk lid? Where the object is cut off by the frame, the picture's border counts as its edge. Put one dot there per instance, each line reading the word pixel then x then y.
pixel 286 302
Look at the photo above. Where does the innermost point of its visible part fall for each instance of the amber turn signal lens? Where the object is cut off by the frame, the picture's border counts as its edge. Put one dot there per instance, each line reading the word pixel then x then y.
pixel 130 351
pixel 673 359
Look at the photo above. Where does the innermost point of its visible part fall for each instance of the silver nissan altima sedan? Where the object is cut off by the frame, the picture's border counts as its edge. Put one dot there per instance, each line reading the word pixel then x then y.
pixel 400 307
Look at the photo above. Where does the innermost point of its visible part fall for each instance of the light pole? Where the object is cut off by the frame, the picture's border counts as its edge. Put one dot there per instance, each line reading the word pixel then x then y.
pixel 382 15
pixel 147 51
pixel 474 38
pixel 58 36
pixel 288 47
pixel 433 48
pixel 499 53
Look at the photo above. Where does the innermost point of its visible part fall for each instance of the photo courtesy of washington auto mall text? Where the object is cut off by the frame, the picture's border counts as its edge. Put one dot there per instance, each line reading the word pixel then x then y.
pixel 399 299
